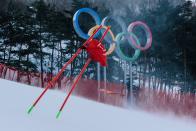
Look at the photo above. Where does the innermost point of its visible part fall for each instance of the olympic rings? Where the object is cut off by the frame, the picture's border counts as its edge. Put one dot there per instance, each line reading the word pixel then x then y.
pixel 128 33
pixel 119 51
pixel 148 34
pixel 112 46
pixel 76 23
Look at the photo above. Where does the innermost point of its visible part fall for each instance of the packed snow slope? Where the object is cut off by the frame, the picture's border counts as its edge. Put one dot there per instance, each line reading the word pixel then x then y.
pixel 79 114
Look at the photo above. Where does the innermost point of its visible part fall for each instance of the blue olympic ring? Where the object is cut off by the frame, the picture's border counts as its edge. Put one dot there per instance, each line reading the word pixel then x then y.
pixel 76 23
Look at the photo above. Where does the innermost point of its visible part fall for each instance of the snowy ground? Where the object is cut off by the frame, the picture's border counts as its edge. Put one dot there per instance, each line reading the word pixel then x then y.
pixel 79 114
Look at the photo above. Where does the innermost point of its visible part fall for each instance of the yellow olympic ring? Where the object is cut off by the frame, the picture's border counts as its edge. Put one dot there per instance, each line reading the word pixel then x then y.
pixel 112 46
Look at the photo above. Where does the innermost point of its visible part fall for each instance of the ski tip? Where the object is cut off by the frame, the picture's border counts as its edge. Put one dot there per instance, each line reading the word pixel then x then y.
pixel 58 114
pixel 30 109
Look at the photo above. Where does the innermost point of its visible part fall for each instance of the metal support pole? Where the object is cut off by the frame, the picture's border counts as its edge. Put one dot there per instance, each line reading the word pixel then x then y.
pixel 105 78
pixel 98 75
pixel 98 81
pixel 125 76
pixel 131 81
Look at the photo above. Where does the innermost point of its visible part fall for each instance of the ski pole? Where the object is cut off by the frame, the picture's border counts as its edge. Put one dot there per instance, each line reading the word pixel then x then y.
pixel 73 86
pixel 104 34
pixel 79 77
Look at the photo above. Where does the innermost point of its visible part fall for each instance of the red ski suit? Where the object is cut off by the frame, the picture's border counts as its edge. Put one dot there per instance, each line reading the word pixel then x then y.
pixel 97 52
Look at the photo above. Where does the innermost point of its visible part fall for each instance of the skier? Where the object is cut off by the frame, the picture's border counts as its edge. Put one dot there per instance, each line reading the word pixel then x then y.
pixel 96 51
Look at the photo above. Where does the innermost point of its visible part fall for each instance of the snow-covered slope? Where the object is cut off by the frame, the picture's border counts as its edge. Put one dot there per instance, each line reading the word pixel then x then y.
pixel 79 114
